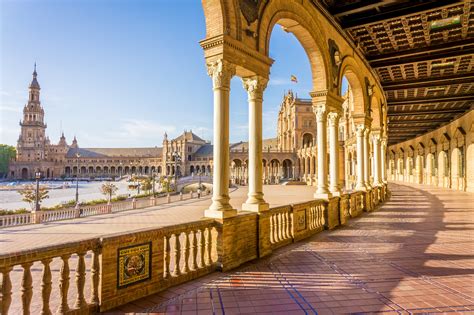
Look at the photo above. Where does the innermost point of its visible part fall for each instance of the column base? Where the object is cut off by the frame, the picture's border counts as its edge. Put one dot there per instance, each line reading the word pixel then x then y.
pixel 255 207
pixel 322 195
pixel 336 193
pixel 220 214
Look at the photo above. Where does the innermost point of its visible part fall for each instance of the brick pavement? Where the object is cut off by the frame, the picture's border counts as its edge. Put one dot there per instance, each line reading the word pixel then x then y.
pixel 414 255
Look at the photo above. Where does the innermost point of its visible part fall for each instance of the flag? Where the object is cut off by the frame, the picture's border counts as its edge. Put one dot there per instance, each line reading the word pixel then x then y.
pixel 293 79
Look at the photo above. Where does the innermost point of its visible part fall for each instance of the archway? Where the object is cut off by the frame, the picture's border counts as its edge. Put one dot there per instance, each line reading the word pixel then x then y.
pixel 287 169
pixel 307 140
pixel 24 173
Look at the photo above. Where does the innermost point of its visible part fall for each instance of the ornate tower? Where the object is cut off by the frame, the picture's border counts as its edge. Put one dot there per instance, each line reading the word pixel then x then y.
pixel 32 141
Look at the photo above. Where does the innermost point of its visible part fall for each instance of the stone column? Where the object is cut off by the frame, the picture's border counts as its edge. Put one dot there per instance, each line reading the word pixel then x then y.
pixel 360 158
pixel 334 153
pixel 366 159
pixel 383 159
pixel 221 73
pixel 377 162
pixel 322 190
pixel 255 201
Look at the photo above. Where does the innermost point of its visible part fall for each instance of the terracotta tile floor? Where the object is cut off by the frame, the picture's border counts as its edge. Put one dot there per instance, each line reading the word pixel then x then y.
pixel 415 255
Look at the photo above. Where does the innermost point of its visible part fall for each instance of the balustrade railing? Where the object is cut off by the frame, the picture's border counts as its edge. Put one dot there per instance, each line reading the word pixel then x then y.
pixel 85 211
pixel 57 215
pixel 16 219
pixel 58 278
pixel 281 226
pixel 50 272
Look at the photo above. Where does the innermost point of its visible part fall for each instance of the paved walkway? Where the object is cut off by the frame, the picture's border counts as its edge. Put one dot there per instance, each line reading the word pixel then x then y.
pixel 26 237
pixel 414 255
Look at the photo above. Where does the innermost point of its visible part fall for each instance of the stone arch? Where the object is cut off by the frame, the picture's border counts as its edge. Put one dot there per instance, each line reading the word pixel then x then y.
pixel 307 139
pixel 83 170
pixel 376 114
pixel 296 18
pixel 191 169
pixel 350 70
pixel 469 171
pixel 443 166
pixel 24 173
pixel 159 169
pixel 287 168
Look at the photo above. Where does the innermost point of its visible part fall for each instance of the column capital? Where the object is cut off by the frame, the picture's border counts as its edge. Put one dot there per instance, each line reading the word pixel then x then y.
pixel 255 86
pixel 321 112
pixel 333 118
pixel 221 72
pixel 360 130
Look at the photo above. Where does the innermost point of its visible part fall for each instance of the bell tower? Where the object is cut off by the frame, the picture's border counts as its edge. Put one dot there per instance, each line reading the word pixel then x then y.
pixel 32 141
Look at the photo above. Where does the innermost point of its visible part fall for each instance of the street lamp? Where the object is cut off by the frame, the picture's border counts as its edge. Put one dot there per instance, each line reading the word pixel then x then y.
pixel 177 158
pixel 37 177
pixel 77 178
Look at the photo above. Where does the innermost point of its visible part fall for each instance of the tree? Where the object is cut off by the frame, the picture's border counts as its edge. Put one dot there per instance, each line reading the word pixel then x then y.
pixel 165 184
pixel 29 195
pixel 7 153
pixel 108 189
pixel 147 184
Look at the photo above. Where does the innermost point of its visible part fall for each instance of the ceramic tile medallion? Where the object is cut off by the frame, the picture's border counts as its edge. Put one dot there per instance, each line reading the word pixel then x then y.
pixel 134 264
pixel 300 219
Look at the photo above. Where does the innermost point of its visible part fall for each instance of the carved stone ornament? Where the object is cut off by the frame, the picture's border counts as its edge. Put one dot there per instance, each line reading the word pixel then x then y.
pixel 333 119
pixel 255 86
pixel 336 60
pixel 221 72
pixel 249 9
pixel 370 91
pixel 360 130
pixel 321 112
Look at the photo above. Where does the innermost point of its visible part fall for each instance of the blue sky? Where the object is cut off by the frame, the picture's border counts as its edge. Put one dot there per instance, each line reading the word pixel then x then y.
pixel 119 73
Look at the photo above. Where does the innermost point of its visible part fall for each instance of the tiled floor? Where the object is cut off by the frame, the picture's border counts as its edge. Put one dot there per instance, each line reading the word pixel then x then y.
pixel 415 255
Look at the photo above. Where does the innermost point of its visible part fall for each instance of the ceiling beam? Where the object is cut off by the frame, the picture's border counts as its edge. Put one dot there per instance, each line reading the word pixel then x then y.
pixel 428 82
pixel 414 7
pixel 356 7
pixel 445 50
pixel 418 121
pixel 428 100
pixel 427 112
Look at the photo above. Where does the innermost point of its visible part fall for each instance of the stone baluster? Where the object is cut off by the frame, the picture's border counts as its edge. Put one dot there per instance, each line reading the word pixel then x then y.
pixel 185 252
pixel 202 246
pixel 64 285
pixel 177 254
pixel 95 275
pixel 46 286
pixel 193 246
pixel 6 290
pixel 208 247
pixel 272 229
pixel 26 287
pixel 80 281
pixel 167 257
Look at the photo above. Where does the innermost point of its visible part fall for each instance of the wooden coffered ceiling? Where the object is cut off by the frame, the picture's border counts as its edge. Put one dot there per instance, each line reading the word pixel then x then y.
pixel 423 52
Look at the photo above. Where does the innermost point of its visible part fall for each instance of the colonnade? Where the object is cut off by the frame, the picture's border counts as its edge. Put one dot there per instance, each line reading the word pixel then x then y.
pixel 327 108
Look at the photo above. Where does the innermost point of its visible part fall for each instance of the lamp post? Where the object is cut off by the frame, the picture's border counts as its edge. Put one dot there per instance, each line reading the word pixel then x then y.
pixel 37 177
pixel 77 178
pixel 177 158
